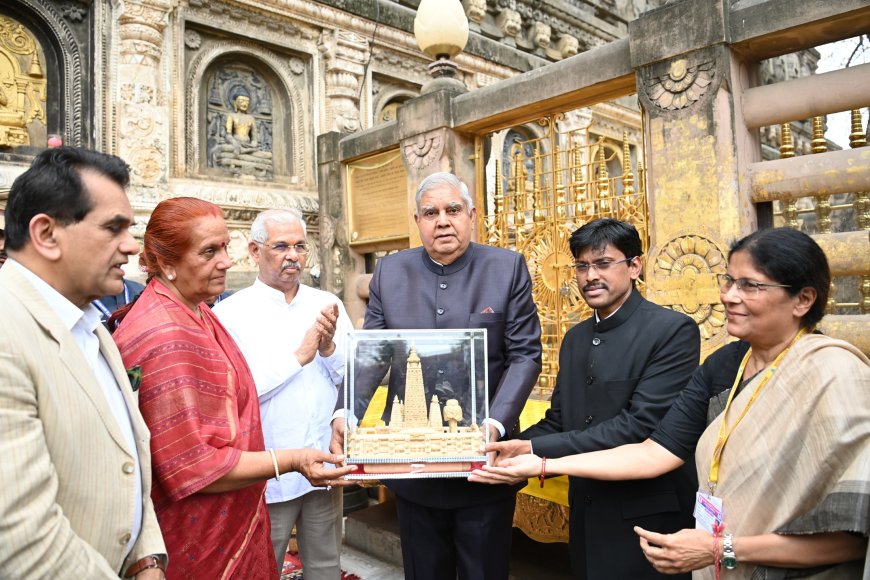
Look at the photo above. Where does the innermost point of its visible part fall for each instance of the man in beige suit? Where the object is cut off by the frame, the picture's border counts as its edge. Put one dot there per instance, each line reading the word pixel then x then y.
pixel 75 473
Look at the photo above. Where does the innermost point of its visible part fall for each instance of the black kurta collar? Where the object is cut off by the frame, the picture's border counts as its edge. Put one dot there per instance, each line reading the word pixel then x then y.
pixel 624 313
pixel 460 263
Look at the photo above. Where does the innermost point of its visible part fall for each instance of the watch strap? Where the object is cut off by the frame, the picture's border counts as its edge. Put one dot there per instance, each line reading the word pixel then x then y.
pixel 144 564
pixel 729 558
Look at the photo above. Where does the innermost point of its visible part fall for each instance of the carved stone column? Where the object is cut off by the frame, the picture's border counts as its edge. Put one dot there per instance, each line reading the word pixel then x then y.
pixel 334 254
pixel 696 145
pixel 141 102
pixel 344 58
pixel 429 145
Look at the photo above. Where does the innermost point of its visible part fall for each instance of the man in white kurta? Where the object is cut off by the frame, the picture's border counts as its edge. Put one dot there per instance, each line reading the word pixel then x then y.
pixel 292 336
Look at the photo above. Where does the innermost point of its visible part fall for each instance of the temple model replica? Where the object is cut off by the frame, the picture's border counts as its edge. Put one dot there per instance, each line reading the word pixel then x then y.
pixel 412 434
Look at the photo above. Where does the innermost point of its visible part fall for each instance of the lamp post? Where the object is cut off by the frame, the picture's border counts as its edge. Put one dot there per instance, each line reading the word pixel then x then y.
pixel 441 30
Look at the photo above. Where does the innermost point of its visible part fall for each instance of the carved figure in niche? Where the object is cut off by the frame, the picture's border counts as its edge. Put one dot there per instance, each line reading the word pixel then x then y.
pixel 22 86
pixel 239 124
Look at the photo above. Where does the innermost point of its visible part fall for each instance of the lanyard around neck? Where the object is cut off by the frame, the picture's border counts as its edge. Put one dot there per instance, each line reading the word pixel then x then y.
pixel 102 307
pixel 724 431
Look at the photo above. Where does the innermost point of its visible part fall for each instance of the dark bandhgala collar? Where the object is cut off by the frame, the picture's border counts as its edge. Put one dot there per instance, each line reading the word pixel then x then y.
pixel 456 266
pixel 624 313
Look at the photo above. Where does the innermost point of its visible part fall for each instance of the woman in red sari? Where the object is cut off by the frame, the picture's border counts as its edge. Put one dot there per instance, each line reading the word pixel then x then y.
pixel 198 398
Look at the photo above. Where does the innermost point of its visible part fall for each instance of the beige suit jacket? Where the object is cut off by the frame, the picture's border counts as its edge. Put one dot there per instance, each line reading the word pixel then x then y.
pixel 67 494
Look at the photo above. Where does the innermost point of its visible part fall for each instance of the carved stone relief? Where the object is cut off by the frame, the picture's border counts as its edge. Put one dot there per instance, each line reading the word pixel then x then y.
pixel 140 107
pixel 423 149
pixel 344 56
pixel 683 84
pixel 72 125
pixel 239 122
pixel 22 86
pixel 217 75
pixel 691 261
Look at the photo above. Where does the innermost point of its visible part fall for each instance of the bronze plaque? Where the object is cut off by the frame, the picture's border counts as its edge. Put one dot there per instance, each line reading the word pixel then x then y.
pixel 377 193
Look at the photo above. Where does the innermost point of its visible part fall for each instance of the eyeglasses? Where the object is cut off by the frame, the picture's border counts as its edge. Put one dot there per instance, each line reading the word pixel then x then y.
pixel 452 211
pixel 745 286
pixel 600 265
pixel 282 248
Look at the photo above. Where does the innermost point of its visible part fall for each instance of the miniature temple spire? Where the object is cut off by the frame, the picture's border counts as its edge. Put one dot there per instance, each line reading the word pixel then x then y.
pixel 435 420
pixel 415 393
pixel 396 413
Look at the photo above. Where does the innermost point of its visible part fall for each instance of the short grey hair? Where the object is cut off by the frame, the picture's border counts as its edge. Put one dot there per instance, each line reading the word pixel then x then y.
pixel 451 181
pixel 275 216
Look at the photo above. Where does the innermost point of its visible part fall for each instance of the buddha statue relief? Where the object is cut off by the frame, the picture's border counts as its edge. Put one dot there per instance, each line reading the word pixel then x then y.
pixel 239 140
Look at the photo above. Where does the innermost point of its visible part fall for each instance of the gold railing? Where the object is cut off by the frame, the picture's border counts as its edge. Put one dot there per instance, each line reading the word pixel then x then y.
pixel 826 214
pixel 538 192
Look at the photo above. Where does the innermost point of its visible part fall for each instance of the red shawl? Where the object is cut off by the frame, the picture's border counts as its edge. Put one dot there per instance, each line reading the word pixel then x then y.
pixel 199 400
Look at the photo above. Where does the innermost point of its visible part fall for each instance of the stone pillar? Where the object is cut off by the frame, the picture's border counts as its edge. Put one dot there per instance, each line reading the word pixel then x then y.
pixel 140 103
pixel 696 149
pixel 429 145
pixel 344 58
pixel 334 255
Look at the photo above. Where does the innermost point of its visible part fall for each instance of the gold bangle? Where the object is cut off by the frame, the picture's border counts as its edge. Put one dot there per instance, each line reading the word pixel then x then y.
pixel 275 464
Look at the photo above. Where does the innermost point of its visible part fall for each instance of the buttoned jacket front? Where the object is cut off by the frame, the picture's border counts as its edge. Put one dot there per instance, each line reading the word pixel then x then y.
pixel 617 379
pixel 486 288
pixel 67 495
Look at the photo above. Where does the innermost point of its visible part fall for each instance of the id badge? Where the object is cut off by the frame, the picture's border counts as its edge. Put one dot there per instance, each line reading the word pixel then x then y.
pixel 708 511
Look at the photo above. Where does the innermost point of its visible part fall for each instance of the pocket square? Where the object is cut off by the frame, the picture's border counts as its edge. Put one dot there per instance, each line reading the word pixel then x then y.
pixel 487 310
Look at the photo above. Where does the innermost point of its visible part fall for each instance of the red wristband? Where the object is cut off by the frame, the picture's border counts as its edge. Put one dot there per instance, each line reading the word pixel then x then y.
pixel 543 470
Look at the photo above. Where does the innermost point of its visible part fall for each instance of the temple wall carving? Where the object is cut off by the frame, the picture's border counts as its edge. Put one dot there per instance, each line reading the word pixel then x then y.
pixel 224 99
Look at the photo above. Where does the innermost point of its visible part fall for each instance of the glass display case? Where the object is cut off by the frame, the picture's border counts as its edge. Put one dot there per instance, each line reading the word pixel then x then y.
pixel 415 403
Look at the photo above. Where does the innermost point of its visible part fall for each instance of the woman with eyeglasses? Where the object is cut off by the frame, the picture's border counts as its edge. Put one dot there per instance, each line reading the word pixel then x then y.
pixel 198 397
pixel 779 426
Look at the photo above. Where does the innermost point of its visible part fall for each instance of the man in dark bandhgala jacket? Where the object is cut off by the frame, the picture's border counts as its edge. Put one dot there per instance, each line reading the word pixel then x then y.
pixel 450 525
pixel 619 372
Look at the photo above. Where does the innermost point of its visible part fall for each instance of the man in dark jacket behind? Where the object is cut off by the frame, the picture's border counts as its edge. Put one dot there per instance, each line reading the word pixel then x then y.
pixel 619 372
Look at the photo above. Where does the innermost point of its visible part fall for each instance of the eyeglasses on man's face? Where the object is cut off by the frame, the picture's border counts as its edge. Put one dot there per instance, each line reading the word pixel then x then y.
pixel 600 265
pixel 745 286
pixel 281 248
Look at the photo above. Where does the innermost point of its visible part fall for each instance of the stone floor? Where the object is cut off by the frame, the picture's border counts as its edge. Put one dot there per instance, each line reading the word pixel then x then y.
pixel 372 550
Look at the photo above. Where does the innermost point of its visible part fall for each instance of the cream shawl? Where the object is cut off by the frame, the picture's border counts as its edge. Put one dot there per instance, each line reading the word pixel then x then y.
pixel 799 462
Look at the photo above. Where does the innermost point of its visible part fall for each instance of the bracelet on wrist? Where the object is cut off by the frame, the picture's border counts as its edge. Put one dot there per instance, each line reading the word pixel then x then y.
pixel 275 463
pixel 543 470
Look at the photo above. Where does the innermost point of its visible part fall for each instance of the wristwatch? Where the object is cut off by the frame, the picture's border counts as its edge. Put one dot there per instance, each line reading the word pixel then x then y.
pixel 144 564
pixel 729 558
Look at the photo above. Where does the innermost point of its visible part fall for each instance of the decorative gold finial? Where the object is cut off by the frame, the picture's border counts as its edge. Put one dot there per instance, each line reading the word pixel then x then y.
pixel 627 175
pixel 857 138
pixel 35 67
pixel 603 180
pixel 786 150
pixel 819 143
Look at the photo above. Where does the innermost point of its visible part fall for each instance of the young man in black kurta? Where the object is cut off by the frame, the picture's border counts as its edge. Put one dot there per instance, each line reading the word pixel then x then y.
pixel 619 372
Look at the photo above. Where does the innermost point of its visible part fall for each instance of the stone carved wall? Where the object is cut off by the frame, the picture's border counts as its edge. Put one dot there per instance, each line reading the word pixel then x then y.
pixel 65 65
pixel 344 56
pixel 293 165
pixel 140 101
pixel 22 86
pixel 554 31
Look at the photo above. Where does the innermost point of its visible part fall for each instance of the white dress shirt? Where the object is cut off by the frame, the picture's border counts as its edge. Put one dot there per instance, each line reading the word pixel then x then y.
pixel 82 324
pixel 296 402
